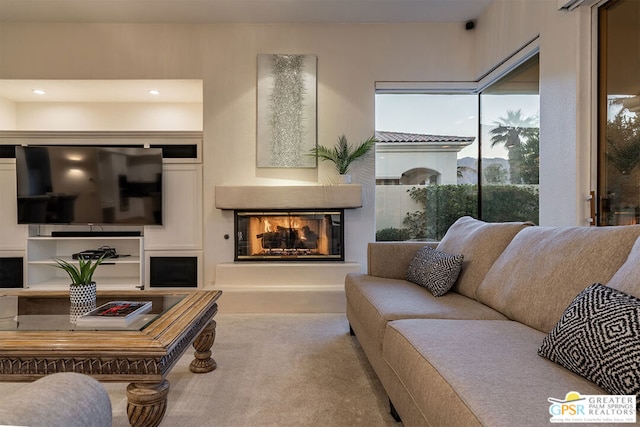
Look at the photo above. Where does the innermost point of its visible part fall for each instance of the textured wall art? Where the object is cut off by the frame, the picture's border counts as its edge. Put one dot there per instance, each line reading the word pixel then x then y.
pixel 286 111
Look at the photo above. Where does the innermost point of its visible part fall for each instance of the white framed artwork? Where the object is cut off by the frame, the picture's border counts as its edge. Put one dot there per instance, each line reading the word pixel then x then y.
pixel 287 110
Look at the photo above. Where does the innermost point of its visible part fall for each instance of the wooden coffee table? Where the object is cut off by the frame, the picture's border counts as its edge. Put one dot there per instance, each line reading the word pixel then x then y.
pixel 37 338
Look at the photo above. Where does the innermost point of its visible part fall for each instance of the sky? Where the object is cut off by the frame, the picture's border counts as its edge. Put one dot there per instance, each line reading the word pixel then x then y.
pixel 450 115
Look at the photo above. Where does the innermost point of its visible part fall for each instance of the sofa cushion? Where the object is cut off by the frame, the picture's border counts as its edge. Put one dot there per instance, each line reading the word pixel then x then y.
pixel 391 259
pixel 598 338
pixel 375 301
pixel 477 372
pixel 627 278
pixel 435 270
pixel 544 268
pixel 481 243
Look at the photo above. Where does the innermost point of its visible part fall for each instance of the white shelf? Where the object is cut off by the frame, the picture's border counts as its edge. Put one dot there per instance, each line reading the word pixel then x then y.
pixel 58 284
pixel 124 272
pixel 107 261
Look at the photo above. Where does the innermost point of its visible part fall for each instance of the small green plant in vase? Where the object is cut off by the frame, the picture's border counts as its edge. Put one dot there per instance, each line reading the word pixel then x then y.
pixel 343 154
pixel 82 290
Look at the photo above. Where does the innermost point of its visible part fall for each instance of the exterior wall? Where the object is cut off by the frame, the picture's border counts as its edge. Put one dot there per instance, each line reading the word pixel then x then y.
pixel 395 203
pixel 397 162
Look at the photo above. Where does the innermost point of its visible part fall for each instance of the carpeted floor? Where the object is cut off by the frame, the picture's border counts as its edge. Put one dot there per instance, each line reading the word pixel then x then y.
pixel 274 370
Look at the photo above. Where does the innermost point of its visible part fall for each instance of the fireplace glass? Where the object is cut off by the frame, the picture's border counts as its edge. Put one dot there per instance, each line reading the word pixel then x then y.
pixel 289 235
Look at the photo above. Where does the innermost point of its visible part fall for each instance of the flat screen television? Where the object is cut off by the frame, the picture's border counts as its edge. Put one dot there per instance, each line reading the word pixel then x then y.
pixel 89 185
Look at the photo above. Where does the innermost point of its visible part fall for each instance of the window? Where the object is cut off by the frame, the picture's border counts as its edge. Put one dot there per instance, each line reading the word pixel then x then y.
pixel 428 169
pixel 618 114
pixel 510 146
pixel 427 149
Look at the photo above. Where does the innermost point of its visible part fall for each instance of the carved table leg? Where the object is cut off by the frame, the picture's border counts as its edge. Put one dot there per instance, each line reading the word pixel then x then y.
pixel 147 403
pixel 203 361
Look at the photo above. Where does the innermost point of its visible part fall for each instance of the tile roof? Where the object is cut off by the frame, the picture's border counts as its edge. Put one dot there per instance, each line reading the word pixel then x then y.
pixel 391 137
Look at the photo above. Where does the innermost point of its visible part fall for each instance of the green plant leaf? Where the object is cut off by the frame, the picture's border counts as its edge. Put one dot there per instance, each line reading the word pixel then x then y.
pixel 82 274
pixel 342 154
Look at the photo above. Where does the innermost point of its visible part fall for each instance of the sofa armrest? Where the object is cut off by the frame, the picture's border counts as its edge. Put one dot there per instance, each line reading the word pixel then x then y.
pixel 391 259
pixel 63 399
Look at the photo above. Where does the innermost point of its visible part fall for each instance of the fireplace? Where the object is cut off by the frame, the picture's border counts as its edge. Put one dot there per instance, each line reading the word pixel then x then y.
pixel 289 235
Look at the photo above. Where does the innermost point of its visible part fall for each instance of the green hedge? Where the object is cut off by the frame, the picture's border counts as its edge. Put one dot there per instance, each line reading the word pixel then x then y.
pixel 444 204
pixel 510 203
pixel 392 234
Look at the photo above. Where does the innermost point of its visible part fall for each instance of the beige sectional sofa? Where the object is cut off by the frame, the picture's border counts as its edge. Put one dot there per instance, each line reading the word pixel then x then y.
pixel 470 357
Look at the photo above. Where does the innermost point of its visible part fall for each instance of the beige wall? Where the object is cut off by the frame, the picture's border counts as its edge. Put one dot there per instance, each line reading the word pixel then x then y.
pixel 351 58
pixel 567 137
pixel 8 118
pixel 94 116
pixel 505 27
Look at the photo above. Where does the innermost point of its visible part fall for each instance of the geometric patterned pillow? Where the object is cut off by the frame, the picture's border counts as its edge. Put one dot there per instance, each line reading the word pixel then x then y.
pixel 435 270
pixel 598 338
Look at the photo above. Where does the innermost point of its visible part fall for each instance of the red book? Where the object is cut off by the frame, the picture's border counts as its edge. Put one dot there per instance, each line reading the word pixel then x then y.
pixel 114 314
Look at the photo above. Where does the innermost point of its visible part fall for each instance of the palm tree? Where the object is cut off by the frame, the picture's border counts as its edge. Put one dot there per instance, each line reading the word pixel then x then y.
pixel 623 142
pixel 460 170
pixel 513 131
pixel 530 159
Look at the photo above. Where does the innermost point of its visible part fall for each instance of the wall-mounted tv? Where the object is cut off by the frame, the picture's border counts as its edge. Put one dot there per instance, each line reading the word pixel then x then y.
pixel 89 185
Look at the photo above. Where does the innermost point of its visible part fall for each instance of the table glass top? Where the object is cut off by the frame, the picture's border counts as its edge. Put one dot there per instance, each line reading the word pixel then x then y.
pixel 26 312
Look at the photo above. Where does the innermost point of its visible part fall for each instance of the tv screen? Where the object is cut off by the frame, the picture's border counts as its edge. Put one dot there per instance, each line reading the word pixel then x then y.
pixel 89 185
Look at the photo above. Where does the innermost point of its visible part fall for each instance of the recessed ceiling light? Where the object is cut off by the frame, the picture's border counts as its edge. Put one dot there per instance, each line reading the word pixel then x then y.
pixel 39 91
pixel 154 92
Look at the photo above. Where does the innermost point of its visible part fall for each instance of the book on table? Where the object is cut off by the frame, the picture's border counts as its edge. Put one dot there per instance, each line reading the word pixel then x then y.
pixel 114 313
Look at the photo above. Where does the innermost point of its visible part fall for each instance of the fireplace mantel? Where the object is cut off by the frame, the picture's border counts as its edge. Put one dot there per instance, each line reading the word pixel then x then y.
pixel 235 197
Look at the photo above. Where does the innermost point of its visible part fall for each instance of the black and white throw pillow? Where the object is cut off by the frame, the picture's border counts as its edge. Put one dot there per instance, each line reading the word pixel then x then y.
pixel 435 270
pixel 598 338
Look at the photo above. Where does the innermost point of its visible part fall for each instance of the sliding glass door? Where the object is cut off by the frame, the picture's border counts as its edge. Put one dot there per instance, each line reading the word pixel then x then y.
pixel 619 114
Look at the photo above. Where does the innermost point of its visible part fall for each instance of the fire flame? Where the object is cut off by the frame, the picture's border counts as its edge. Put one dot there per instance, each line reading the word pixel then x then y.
pixel 293 224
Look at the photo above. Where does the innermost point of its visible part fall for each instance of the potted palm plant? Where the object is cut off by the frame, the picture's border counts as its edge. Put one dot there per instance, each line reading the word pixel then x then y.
pixel 343 154
pixel 82 290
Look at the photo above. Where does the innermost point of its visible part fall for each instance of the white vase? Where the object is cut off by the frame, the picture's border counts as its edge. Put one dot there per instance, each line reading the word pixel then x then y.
pixel 345 179
pixel 77 310
pixel 83 294
pixel 83 300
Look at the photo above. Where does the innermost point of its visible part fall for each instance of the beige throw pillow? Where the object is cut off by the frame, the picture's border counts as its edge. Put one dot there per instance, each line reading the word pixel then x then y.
pixel 627 278
pixel 481 243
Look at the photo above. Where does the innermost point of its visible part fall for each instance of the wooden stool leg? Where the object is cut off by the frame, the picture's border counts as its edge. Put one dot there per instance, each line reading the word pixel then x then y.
pixel 147 403
pixel 203 361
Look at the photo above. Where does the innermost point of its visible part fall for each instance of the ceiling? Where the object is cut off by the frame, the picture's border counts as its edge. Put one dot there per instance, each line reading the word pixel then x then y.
pixel 250 11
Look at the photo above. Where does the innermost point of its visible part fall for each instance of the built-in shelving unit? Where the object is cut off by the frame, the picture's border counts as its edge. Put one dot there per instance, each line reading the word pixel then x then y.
pixel 123 272
pixel 27 252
